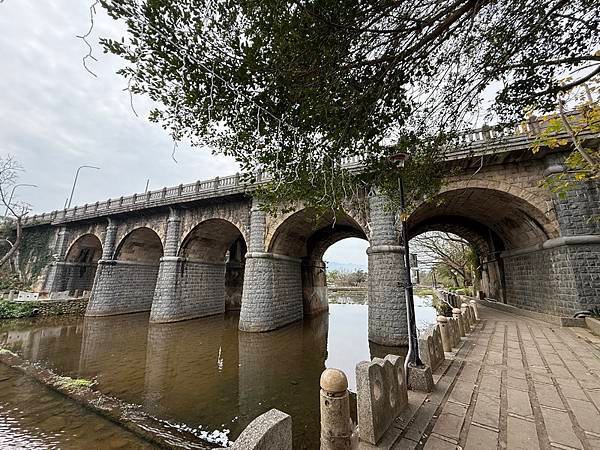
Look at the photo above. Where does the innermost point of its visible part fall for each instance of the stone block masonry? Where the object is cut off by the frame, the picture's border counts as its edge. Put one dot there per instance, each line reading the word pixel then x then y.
pixel 572 274
pixel 188 289
pixel 122 287
pixel 272 294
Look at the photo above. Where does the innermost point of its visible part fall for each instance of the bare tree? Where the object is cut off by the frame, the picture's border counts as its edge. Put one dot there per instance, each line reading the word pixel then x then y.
pixel 440 249
pixel 16 211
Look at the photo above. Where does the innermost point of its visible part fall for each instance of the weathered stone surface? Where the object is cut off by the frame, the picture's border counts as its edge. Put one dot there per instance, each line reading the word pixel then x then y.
pixel 420 378
pixel 122 287
pixel 272 295
pixel 381 395
pixel 387 278
pixel 269 431
pixel 336 424
pixel 445 333
pixel 431 349
pixel 188 289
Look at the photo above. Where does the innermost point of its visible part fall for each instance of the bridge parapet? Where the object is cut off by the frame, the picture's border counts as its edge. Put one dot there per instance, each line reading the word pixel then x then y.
pixel 486 140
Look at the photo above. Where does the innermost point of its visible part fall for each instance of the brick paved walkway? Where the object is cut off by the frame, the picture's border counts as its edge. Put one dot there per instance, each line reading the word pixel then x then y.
pixel 517 383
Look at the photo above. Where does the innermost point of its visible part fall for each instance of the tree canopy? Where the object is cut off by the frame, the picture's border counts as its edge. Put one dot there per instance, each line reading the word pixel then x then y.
pixel 294 87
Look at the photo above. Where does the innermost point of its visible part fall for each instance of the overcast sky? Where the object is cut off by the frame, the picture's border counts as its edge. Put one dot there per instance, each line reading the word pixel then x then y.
pixel 55 116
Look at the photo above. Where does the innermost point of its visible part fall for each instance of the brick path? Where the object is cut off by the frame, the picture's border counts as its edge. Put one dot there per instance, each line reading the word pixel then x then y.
pixel 517 383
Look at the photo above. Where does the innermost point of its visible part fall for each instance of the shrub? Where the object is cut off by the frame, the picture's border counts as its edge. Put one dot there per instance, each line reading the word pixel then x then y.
pixel 10 310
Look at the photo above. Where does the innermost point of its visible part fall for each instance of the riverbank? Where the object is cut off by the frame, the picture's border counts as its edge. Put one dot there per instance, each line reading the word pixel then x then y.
pixel 130 417
pixel 42 308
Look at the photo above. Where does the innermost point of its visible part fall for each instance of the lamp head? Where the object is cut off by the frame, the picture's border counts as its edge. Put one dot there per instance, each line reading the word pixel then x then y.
pixel 399 159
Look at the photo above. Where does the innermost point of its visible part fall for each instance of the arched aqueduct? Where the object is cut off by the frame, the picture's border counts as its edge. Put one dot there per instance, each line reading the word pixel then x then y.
pixel 204 248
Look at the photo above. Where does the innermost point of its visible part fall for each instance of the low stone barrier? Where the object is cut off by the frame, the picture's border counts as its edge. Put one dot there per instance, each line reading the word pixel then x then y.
pixel 431 348
pixel 27 296
pixel 61 295
pixel 76 306
pixel 381 396
pixel 269 431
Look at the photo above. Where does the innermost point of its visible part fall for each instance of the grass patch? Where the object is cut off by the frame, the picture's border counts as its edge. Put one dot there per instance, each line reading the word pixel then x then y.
pixel 5 351
pixel 74 383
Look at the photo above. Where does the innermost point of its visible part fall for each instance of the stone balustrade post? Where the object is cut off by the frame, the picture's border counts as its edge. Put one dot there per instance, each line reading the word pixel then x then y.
pixel 336 424
pixel 464 309
pixel 475 309
pixel 445 333
pixel 456 313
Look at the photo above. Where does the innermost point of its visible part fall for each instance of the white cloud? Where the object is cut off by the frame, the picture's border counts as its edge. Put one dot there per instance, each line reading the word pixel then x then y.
pixel 55 116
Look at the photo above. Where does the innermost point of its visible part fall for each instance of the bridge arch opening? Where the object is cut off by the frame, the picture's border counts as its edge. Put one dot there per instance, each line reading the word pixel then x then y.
pixel 81 263
pixel 214 256
pixel 491 221
pixel 305 236
pixel 141 245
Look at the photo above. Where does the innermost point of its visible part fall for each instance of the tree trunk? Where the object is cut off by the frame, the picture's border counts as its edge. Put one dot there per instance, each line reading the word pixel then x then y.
pixel 16 244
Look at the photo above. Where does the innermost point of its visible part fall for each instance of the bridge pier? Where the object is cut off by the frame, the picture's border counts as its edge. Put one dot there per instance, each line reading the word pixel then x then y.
pixel 272 293
pixel 56 276
pixel 387 278
pixel 314 287
pixel 125 281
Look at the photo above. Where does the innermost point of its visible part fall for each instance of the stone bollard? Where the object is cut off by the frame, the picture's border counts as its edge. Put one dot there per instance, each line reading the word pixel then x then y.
pixel 447 340
pixel 464 309
pixel 336 425
pixel 459 321
pixel 475 309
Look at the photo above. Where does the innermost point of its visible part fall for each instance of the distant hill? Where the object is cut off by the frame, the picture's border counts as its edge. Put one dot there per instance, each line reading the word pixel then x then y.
pixel 345 267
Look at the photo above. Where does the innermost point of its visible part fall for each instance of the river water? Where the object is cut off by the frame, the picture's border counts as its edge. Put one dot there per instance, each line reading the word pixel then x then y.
pixel 202 373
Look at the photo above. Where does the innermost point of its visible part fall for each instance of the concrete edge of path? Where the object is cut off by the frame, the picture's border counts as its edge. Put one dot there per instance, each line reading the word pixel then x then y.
pixel 554 320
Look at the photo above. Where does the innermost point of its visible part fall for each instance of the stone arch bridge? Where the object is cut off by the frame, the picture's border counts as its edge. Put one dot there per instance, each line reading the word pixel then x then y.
pixel 200 249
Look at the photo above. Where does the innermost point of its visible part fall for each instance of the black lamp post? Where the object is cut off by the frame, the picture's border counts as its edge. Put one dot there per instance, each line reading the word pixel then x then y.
pixel 412 358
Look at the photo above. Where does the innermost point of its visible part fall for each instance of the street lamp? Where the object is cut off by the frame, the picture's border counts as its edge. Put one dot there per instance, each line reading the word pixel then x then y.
pixel 75 181
pixel 412 358
pixel 13 193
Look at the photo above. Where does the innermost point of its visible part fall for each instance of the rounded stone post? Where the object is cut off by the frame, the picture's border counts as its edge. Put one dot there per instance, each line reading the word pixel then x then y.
pixel 464 309
pixel 336 425
pixel 475 309
pixel 459 321
pixel 445 333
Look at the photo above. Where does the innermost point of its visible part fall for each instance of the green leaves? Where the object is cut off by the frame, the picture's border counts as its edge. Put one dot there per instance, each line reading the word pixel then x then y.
pixel 295 87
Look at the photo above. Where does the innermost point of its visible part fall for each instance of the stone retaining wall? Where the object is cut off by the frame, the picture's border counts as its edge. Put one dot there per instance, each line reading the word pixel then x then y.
pixel 571 274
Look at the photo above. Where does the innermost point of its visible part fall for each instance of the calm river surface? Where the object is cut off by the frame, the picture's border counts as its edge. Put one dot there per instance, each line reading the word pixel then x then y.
pixel 202 373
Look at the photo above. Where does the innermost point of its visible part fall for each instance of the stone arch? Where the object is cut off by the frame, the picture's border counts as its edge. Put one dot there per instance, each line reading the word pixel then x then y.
pixel 533 196
pixel 305 236
pixel 492 220
pixel 306 233
pixel 81 263
pixel 86 248
pixel 212 245
pixel 516 221
pixel 141 245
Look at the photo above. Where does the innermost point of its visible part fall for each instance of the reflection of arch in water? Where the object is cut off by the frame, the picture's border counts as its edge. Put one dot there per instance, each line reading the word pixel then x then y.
pixel 306 235
pixel 113 351
pixel 281 369
pixel 126 284
pixel 191 371
pixel 81 263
